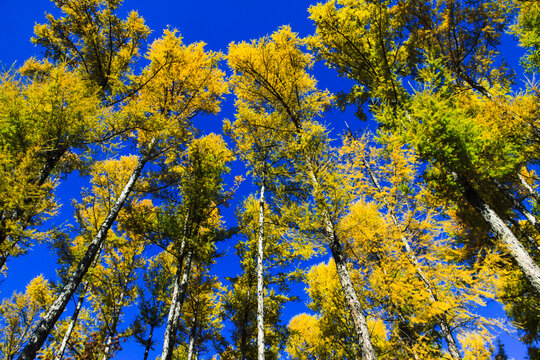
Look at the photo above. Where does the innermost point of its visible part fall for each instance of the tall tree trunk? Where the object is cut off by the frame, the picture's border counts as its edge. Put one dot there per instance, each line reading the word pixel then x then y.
pixel 260 279
pixel 192 341
pixel 518 205
pixel 72 323
pixel 179 295
pixel 51 317
pixel 148 343
pixel 512 244
pixel 355 308
pixel 112 332
pixel 443 321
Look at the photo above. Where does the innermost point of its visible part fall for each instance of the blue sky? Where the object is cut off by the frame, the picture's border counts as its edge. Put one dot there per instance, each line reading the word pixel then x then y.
pixel 215 22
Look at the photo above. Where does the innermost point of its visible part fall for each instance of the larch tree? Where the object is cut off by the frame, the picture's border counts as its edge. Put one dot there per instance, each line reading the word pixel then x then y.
pixel 52 117
pixel 195 213
pixel 357 38
pixel 275 76
pixel 189 83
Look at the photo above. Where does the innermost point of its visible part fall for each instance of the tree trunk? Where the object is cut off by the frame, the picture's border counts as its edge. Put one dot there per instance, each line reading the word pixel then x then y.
pixel 528 187
pixel 443 321
pixel 51 317
pixel 192 341
pixel 148 343
pixel 514 247
pixel 112 332
pixel 72 323
pixel 179 295
pixel 518 205
pixel 355 308
pixel 260 279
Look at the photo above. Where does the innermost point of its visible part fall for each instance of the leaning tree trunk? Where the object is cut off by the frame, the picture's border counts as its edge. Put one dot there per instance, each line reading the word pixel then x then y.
pixel 260 279
pixel 179 295
pixel 351 298
pixel 112 333
pixel 53 314
pixel 355 307
pixel 72 323
pixel 443 321
pixel 518 205
pixel 514 247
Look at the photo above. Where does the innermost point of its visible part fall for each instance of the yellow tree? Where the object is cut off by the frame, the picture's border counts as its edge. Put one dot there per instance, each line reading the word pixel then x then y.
pixel 50 118
pixel 195 217
pixel 189 83
pixel 46 122
pixel 20 314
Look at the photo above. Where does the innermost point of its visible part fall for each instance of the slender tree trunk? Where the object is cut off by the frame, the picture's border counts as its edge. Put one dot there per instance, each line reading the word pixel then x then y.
pixel 179 296
pixel 260 279
pixel 112 332
pixel 192 341
pixel 51 317
pixel 72 323
pixel 148 343
pixel 443 321
pixel 351 298
pixel 514 247
pixel 528 187
pixel 355 308
pixel 518 205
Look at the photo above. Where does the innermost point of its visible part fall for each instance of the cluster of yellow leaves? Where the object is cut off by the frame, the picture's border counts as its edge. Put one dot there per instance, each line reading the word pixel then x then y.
pixel 20 315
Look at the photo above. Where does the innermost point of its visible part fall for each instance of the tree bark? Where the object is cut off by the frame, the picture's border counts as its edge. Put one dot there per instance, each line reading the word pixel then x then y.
pixel 514 247
pixel 53 314
pixel 518 205
pixel 179 295
pixel 355 308
pixel 260 279
pixel 72 323
pixel 148 343
pixel 528 187
pixel 112 332
pixel 192 341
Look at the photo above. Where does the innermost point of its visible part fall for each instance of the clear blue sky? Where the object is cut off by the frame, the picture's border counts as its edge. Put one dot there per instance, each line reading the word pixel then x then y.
pixel 213 21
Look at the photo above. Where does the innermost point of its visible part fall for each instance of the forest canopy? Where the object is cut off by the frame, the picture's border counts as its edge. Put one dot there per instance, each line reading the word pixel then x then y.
pixel 221 211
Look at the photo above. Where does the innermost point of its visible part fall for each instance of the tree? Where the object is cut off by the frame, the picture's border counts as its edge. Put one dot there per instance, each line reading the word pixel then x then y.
pixel 50 116
pixel 195 217
pixel 45 129
pixel 152 302
pixel 273 75
pixel 163 112
pixel 19 315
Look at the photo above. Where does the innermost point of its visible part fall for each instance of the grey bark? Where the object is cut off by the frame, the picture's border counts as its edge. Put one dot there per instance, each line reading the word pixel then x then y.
pixel 518 205
pixel 55 310
pixel 528 187
pixel 514 247
pixel 443 321
pixel 260 279
pixel 351 298
pixel 179 295
pixel 112 332
pixel 72 323
pixel 192 341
